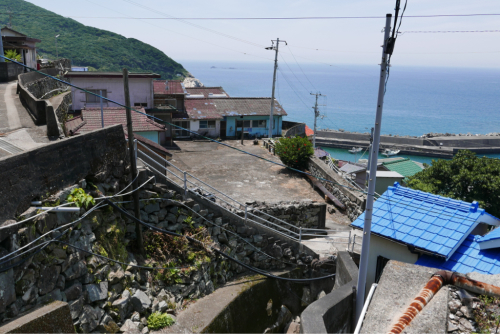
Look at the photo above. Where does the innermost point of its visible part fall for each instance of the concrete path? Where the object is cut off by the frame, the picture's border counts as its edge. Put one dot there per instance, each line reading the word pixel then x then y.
pixel 18 131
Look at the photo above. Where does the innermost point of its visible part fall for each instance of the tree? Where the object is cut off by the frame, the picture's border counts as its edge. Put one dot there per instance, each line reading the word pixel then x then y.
pixel 12 54
pixel 466 177
pixel 294 152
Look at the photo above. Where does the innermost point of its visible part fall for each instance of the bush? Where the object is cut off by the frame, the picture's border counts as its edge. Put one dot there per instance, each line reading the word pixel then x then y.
pixel 159 320
pixel 294 152
pixel 12 54
pixel 80 198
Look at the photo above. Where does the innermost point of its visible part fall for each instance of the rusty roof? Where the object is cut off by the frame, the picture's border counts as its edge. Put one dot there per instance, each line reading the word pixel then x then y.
pixel 92 74
pixel 91 117
pixel 206 91
pixel 167 87
pixel 201 109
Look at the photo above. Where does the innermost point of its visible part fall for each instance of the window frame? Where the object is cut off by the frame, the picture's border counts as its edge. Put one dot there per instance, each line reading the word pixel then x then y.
pixel 209 124
pixel 94 99
pixel 259 123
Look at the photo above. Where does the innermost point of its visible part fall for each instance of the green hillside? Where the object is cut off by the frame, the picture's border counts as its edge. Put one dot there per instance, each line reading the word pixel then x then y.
pixel 86 46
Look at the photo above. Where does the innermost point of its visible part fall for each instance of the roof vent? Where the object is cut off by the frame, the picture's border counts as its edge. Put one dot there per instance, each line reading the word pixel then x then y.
pixel 474 206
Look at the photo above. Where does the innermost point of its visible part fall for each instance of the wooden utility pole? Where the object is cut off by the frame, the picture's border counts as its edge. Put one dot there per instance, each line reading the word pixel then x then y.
pixel 242 131
pixel 133 164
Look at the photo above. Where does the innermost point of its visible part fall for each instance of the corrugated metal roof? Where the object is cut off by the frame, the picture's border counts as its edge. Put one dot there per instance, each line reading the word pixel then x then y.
pixel 201 109
pixel 92 74
pixel 112 115
pixel 166 87
pixel 430 222
pixel 404 166
pixel 349 168
pixel 467 258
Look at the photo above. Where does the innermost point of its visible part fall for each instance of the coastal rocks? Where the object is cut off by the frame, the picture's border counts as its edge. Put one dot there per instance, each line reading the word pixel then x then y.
pixel 96 291
pixel 192 83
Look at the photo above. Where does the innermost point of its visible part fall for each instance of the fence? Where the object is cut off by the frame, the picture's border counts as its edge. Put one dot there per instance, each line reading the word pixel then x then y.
pixel 194 186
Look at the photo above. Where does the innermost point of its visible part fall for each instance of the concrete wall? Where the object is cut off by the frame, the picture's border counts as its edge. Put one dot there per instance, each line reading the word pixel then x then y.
pixel 29 175
pixel 9 71
pixel 353 200
pixel 231 126
pixel 213 132
pixel 141 91
pixel 334 313
pixel 388 249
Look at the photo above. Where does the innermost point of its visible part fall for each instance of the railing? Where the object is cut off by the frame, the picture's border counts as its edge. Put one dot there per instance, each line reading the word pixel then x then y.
pixel 193 185
pixel 338 171
pixel 296 130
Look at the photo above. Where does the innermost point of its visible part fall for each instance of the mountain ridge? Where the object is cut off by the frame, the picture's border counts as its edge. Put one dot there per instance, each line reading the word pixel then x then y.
pixel 84 45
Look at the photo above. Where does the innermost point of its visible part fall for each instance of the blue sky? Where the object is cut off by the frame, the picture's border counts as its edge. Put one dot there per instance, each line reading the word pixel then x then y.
pixel 338 41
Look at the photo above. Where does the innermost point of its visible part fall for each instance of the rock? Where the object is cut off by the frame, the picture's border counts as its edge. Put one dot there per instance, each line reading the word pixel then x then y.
pixel 122 305
pixel 97 292
pixel 306 296
pixel 7 288
pixel 28 296
pixel 145 330
pixel 59 253
pixel 75 271
pixel 140 301
pixel 111 327
pixel 89 319
pixel 209 287
pixel 61 282
pixel 135 317
pixel 162 306
pixel 465 324
pixel 454 306
pixel 49 297
pixel 74 292
pixel 129 327
pixel 48 279
pixel 467 313
pixel 153 207
pixel 218 221
pixel 116 274
pixel 76 308
pixel 203 213
pixel 162 214
pixel 196 208
pixel 321 295
pixel 153 219
pixel 452 327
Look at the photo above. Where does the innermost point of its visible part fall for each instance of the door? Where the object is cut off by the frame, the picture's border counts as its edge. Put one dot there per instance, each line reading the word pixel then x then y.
pixel 223 129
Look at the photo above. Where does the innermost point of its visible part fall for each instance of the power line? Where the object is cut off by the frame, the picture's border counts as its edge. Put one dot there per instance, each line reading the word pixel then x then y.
pixel 293 88
pixel 301 68
pixel 445 31
pixel 248 18
pixel 300 82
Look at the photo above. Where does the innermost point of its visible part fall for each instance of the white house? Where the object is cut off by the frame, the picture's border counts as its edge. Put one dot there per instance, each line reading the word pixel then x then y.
pixel 24 45
pixel 111 86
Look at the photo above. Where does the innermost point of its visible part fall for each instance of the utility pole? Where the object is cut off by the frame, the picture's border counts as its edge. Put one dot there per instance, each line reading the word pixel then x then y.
pixel 102 111
pixel 2 60
pixel 57 53
pixel 316 115
pixel 133 163
pixel 365 248
pixel 272 47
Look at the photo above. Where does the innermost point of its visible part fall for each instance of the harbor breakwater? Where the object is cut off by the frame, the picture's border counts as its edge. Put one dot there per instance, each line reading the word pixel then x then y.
pixel 441 146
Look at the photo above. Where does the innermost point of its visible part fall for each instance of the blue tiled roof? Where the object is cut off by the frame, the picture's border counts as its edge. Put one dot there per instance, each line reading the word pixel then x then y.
pixel 467 258
pixel 493 235
pixel 430 222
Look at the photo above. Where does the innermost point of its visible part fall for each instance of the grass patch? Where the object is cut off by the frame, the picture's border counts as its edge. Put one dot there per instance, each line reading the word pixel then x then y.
pixel 159 320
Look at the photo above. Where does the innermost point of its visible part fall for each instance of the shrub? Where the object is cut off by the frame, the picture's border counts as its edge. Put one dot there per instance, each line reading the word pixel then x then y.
pixel 294 152
pixel 80 198
pixel 159 320
pixel 12 54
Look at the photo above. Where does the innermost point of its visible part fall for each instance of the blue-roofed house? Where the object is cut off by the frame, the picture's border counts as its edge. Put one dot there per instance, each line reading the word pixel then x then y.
pixel 408 224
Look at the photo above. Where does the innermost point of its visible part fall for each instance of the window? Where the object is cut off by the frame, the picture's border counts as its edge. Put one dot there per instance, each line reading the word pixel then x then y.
pixel 140 104
pixel 207 124
pixel 246 124
pixel 180 132
pixel 259 124
pixel 89 98
pixel 381 262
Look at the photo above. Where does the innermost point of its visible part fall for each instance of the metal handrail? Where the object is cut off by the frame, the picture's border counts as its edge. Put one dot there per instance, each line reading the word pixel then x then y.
pixel 159 156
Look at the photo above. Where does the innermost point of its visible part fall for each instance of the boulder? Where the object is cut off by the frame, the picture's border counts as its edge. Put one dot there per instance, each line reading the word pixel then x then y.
pixel 48 279
pixel 153 207
pixel 129 327
pixel 74 291
pixel 96 291
pixel 123 306
pixel 75 307
pixel 140 301
pixel 89 319
pixel 77 270
pixel 116 274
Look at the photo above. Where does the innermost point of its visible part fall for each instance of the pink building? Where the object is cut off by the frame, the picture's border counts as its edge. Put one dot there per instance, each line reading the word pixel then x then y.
pixel 111 85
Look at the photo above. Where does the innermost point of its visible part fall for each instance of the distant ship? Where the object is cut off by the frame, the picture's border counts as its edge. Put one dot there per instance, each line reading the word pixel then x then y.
pixel 213 67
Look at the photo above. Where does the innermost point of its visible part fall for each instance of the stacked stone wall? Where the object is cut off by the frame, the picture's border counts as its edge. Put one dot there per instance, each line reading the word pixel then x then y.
pixel 353 200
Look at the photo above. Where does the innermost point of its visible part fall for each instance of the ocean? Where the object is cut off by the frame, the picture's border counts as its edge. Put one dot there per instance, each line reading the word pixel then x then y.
pixel 418 100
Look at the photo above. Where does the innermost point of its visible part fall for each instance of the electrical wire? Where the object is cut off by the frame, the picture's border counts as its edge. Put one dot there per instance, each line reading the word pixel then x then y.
pixel 293 89
pixel 314 88
pixel 179 127
pixel 300 82
pixel 256 270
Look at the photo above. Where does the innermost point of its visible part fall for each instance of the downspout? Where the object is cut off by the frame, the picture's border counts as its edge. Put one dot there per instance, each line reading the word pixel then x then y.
pixel 440 278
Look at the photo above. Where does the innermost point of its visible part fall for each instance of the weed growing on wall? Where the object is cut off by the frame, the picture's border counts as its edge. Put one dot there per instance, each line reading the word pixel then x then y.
pixel 159 320
pixel 81 198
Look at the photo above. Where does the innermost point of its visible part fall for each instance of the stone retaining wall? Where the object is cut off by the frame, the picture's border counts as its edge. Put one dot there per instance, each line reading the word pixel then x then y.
pixel 353 200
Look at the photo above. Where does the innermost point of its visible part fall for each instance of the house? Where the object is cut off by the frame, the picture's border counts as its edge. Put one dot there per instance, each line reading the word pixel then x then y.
pixel 385 179
pixel 90 119
pixel 169 93
pixel 358 173
pixel 408 224
pixel 111 86
pixel 22 44
pixel 226 117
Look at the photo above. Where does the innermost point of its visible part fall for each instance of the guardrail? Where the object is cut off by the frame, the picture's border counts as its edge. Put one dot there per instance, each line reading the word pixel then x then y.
pixel 193 185
pixel 296 130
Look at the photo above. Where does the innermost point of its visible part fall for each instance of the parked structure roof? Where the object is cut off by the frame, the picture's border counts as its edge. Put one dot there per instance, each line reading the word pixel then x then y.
pixel 216 108
pixel 201 109
pixel 168 87
pixel 350 168
pixel 93 74
pixel 91 118
pixel 427 222
pixel 206 92
pixel 309 131
pixel 403 166
pixel 467 258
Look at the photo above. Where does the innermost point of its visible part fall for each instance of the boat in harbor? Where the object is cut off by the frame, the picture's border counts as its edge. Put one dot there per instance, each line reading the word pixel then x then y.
pixel 388 152
pixel 355 150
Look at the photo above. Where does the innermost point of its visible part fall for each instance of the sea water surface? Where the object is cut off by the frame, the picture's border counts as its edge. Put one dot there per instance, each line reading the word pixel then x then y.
pixel 418 100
